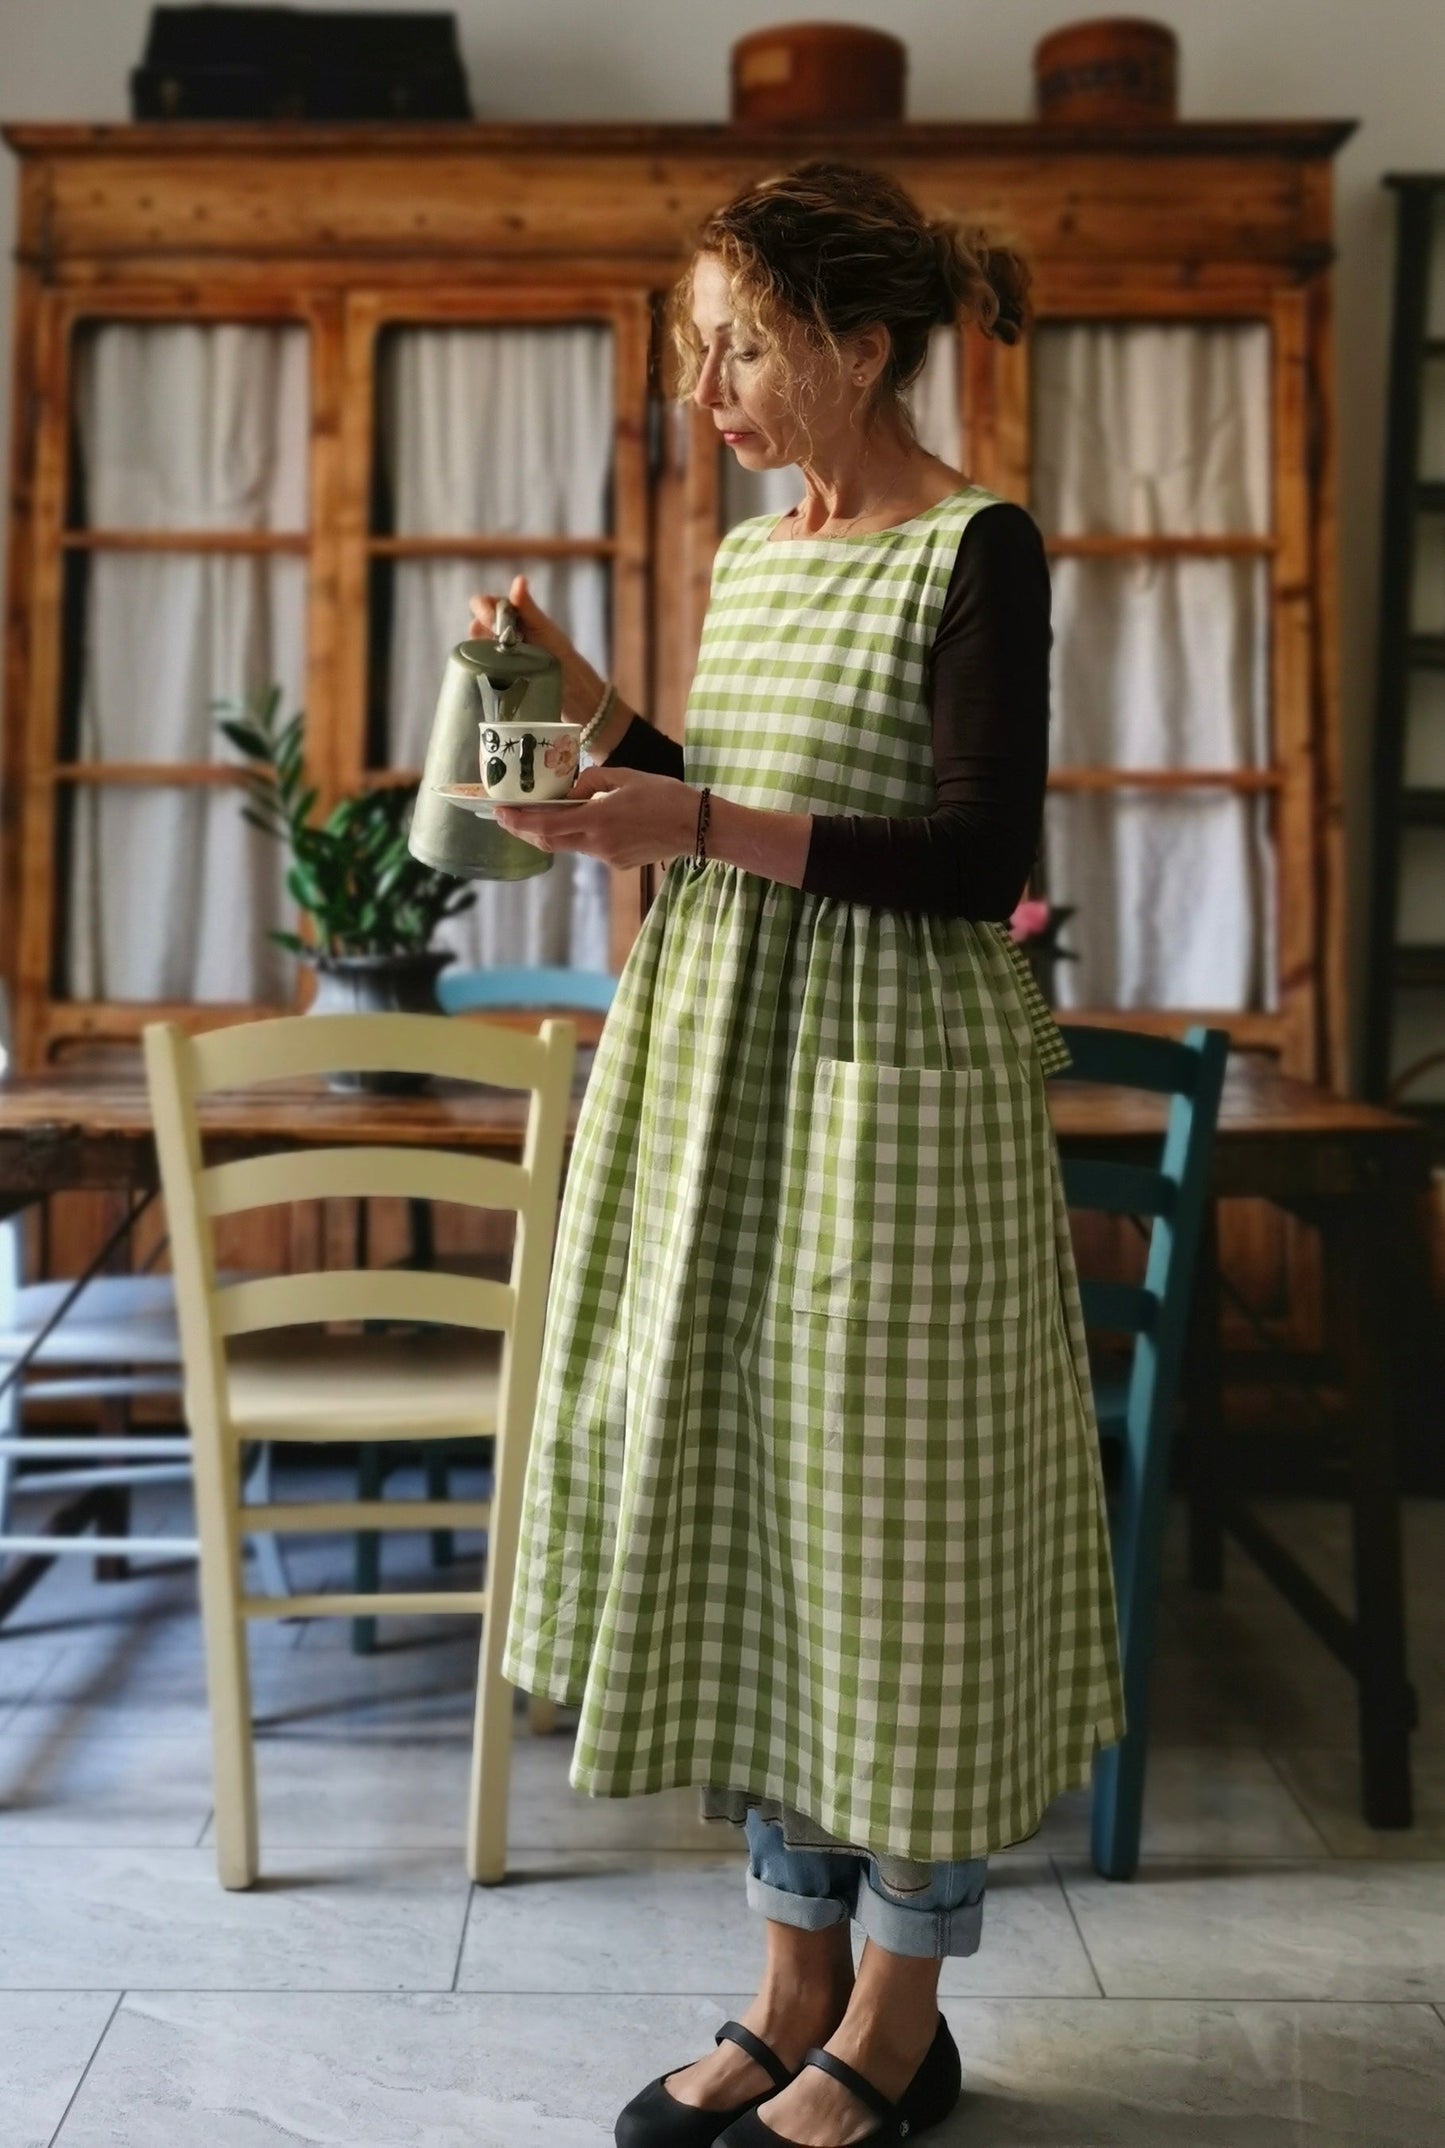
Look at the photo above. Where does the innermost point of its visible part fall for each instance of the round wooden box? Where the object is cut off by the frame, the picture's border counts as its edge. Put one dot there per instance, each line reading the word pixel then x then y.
pixel 815 73
pixel 1121 70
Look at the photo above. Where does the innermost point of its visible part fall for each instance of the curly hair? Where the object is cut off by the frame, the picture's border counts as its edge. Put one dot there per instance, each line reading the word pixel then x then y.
pixel 834 248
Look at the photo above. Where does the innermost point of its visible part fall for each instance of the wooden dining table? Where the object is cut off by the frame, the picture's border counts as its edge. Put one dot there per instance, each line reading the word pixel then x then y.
pixel 1350 1169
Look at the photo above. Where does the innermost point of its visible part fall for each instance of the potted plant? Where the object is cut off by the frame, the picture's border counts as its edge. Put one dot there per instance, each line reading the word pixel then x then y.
pixel 372 906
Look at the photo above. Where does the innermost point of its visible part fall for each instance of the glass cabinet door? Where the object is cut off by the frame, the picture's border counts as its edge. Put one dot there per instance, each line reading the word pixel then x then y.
pixel 184 583
pixel 1151 479
pixel 490 432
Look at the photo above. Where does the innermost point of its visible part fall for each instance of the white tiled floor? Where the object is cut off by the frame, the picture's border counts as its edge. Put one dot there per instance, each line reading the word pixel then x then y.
pixel 1273 1977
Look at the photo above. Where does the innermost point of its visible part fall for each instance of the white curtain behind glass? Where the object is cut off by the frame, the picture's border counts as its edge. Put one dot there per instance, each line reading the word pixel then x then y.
pixel 1153 430
pixel 491 432
pixel 933 398
pixel 182 427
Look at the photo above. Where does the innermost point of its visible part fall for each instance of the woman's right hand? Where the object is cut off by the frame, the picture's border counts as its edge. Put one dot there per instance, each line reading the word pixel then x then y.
pixel 581 687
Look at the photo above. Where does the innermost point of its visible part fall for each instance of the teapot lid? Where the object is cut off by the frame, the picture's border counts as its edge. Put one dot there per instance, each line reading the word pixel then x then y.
pixel 522 658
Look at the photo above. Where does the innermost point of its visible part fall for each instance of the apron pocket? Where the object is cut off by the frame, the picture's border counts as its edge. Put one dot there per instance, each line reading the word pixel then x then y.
pixel 916 1194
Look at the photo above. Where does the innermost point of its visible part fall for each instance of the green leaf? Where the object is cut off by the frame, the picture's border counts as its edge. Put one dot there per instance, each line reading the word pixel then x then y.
pixel 304 887
pixel 250 741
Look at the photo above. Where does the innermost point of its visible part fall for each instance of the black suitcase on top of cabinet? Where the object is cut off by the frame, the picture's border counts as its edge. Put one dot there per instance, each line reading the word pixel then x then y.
pixel 295 63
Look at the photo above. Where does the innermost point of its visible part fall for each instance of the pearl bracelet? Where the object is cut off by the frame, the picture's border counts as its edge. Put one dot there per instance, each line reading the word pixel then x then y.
pixel 595 723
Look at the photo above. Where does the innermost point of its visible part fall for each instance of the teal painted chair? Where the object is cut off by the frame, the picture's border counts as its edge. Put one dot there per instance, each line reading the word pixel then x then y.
pixel 1137 1412
pixel 559 990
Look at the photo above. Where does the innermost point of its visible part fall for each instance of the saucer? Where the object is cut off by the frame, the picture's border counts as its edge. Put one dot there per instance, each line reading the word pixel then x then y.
pixel 474 798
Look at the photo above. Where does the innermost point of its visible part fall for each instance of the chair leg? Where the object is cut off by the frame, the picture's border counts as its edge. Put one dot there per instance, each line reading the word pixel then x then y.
pixel 490 1788
pixel 1117 1809
pixel 228 1680
pixel 1137 1549
pixel 1204 1414
pixel 438 1486
pixel 11 1415
pixel 370 1473
pixel 113 1516
pixel 1366 1254
pixel 234 1758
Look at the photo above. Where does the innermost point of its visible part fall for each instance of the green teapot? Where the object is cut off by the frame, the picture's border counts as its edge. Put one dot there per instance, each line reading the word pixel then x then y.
pixel 504 680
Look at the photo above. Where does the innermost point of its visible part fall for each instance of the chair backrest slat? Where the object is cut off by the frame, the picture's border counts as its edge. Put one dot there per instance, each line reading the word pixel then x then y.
pixel 1134 1059
pixel 362 1174
pixel 292 1046
pixel 1119 1189
pixel 554 987
pixel 426 1295
pixel 1125 1306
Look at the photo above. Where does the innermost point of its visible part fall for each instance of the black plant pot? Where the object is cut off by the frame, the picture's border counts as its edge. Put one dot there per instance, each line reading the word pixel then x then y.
pixel 378 984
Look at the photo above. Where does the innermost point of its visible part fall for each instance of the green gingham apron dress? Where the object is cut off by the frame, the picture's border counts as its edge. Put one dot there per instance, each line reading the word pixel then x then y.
pixel 813 1516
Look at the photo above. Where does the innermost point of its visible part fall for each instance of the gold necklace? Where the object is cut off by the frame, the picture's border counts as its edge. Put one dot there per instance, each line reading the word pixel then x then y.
pixel 792 511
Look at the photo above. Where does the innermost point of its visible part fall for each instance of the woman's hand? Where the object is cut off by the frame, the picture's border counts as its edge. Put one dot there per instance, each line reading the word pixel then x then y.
pixel 581 687
pixel 631 818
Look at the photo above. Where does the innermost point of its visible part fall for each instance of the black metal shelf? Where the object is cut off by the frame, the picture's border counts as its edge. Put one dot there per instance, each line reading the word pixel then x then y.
pixel 1418 962
pixel 1402 652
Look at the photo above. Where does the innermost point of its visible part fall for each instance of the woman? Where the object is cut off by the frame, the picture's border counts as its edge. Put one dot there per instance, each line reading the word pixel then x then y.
pixel 813 1515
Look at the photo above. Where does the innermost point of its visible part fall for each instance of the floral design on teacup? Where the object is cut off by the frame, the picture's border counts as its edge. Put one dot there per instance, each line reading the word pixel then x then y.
pixel 559 757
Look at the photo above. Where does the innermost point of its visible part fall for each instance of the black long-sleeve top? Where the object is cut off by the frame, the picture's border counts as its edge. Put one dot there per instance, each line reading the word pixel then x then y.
pixel 987 677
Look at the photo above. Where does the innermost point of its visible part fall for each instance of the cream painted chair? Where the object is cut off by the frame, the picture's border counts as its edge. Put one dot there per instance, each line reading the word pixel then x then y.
pixel 469 1369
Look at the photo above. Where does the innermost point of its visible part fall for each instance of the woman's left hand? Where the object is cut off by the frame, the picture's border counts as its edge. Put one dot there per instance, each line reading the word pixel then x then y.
pixel 631 817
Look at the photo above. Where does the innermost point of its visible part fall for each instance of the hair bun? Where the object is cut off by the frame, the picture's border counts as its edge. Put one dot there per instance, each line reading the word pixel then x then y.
pixel 987 282
pixel 1010 277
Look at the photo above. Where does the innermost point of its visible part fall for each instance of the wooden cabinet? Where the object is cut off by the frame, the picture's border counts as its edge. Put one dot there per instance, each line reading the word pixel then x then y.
pixel 343 242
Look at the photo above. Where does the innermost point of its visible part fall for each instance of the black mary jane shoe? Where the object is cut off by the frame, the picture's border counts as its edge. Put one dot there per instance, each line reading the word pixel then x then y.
pixel 928 2098
pixel 654 2119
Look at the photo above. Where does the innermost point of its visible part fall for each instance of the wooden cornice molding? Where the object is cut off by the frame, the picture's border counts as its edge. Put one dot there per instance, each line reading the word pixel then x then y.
pixel 108 201
pixel 995 137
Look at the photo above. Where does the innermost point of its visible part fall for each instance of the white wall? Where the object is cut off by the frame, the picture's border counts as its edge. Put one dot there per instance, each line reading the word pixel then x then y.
pixel 1381 63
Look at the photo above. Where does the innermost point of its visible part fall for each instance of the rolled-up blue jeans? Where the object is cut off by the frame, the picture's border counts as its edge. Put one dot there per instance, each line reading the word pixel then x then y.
pixel 814 1888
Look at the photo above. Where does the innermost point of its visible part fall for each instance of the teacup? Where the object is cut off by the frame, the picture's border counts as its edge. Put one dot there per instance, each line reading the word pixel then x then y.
pixel 529 763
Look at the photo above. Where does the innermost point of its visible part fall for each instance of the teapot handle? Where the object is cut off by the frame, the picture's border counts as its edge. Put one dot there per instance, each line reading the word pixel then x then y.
pixel 508 627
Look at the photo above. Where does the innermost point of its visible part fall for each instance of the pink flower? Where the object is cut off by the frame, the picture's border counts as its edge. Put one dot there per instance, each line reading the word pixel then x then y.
pixel 1030 920
pixel 559 755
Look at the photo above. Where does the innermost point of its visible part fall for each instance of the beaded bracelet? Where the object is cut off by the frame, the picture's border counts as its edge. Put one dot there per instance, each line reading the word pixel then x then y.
pixel 699 855
pixel 595 722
